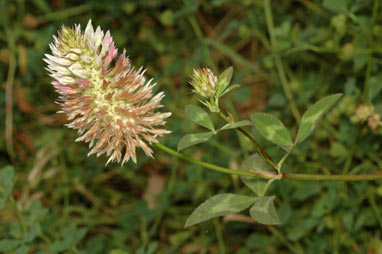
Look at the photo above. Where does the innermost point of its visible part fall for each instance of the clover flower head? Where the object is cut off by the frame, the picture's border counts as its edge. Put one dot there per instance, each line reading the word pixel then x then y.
pixel 111 105
pixel 204 82
pixel 363 112
pixel 374 121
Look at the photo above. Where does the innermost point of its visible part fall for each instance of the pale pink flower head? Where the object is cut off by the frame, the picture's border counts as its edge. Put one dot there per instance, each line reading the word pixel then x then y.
pixel 111 106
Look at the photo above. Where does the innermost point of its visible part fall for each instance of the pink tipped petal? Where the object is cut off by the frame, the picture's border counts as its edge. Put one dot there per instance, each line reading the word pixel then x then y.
pixel 84 83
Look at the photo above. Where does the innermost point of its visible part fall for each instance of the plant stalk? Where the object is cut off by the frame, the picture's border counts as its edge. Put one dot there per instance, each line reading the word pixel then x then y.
pixel 280 69
pixel 259 174
pixel 271 175
pixel 319 177
pixel 261 149
pixel 11 42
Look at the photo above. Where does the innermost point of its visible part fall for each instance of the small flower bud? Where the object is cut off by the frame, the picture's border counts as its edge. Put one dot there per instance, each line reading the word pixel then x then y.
pixel 204 82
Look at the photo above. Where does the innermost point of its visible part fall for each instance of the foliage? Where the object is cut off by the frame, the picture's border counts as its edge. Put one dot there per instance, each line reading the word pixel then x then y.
pixel 55 199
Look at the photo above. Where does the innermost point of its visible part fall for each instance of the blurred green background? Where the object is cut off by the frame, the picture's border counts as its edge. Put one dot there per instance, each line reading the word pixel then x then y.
pixel 71 203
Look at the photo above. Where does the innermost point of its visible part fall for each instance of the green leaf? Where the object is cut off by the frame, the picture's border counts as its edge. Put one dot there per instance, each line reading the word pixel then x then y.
pixel 6 184
pixel 229 89
pixel 219 205
pixel 153 246
pixel 224 80
pixel 314 113
pixel 264 211
pixel 193 139
pixel 67 241
pixel 8 244
pixel 339 6
pixel 255 163
pixel 199 116
pixel 79 235
pixel 32 233
pixel 36 213
pixel 375 86
pixel 272 129
pixel 236 125
pixel 70 237
pixel 22 250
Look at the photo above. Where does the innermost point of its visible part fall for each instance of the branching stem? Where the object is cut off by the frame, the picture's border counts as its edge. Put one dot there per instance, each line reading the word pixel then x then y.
pixel 271 175
pixel 260 148
pixel 260 174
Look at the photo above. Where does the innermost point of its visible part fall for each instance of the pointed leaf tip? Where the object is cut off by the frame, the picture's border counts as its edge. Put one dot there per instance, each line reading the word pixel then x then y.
pixel 272 129
pixel 193 139
pixel 199 116
pixel 219 205
pixel 264 211
pixel 236 125
pixel 313 114
pixel 224 80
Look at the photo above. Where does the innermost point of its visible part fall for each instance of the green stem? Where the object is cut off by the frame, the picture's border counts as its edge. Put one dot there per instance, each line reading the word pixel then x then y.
pixel 367 77
pixel 280 163
pixel 144 234
pixel 279 65
pixel 199 34
pixel 11 42
pixel 269 183
pixel 225 117
pixel 260 174
pixel 375 12
pixel 63 14
pixel 261 149
pixel 370 60
pixel 271 175
pixel 284 240
pixel 317 177
pixel 371 198
pixel 44 238
pixel 169 190
pixel 219 236
pixel 20 215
